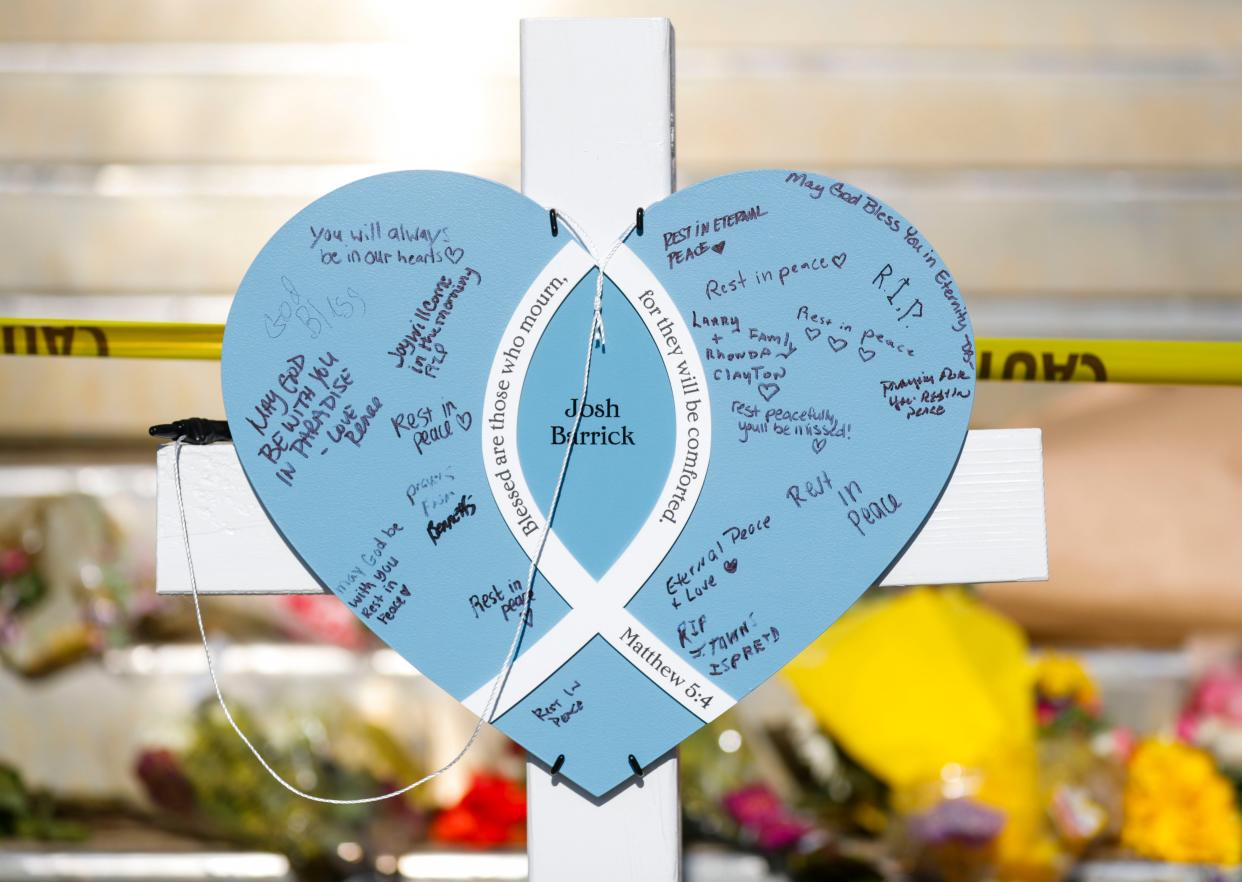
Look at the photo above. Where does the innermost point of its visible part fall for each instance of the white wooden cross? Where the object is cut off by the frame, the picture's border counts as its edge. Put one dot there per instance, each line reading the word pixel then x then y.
pixel 597 142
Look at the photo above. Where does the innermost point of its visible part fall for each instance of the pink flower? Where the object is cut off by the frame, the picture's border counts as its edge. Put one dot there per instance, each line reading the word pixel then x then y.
pixel 1124 742
pixel 12 562
pixel 782 833
pixel 752 804
pixel 1218 694
pixel 761 814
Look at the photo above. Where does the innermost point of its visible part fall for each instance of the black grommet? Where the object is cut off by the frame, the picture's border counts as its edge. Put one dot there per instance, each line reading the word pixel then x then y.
pixel 638 221
pixel 556 766
pixel 638 770
pixel 552 217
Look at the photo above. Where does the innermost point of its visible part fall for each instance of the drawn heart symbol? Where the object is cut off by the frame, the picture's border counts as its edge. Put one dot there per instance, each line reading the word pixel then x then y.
pixel 352 392
pixel 836 343
pixel 839 260
pixel 866 354
pixel 813 333
pixel 719 247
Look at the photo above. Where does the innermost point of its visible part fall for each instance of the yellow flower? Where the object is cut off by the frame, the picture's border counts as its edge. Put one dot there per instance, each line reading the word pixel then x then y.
pixel 1178 807
pixel 1063 677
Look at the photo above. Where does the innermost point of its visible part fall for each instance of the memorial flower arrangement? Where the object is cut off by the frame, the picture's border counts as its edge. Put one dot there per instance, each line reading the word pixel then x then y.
pixel 1158 799
pixel 66 590
pixel 931 691
pixel 214 789
pixel 997 764
pixel 954 839
pixel 781 789
pixel 1179 807
pixel 1066 697
pixel 1212 717
pixel 44 624
pixel 1081 759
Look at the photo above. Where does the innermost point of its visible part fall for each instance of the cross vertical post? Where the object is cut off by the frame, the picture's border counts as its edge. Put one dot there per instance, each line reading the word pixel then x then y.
pixel 597 143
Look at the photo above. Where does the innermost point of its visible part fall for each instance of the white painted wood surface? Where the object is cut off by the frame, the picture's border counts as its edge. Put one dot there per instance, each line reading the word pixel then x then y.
pixel 597 143
pixel 988 527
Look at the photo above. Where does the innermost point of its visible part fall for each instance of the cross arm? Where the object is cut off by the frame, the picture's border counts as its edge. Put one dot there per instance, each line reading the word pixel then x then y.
pixel 988 526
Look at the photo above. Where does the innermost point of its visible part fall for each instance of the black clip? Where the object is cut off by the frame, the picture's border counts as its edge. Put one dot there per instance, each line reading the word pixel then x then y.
pixel 556 766
pixel 638 221
pixel 638 770
pixel 556 231
pixel 195 430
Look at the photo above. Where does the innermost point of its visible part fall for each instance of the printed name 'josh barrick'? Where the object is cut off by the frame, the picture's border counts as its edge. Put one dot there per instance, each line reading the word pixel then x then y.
pixel 603 436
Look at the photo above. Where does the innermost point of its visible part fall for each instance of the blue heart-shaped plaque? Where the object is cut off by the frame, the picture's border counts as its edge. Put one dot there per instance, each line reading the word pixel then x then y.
pixel 782 397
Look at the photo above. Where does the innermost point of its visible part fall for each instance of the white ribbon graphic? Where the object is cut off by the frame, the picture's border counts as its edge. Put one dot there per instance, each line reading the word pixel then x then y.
pixel 597 607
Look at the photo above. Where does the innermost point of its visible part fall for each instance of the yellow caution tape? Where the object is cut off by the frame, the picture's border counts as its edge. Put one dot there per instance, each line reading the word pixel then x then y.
pixel 1173 362
pixel 1011 359
pixel 90 339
